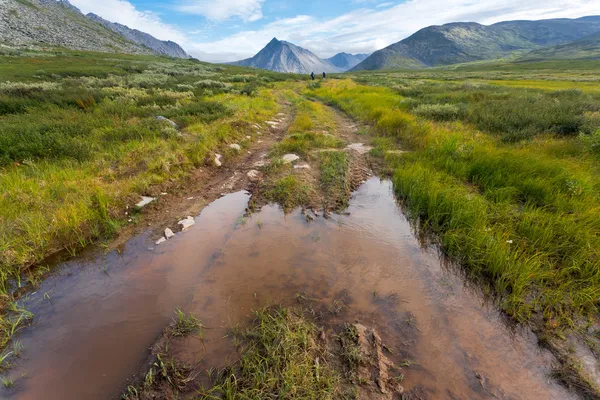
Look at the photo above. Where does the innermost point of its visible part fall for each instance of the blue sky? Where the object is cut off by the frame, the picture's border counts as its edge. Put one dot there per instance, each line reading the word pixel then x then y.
pixel 227 30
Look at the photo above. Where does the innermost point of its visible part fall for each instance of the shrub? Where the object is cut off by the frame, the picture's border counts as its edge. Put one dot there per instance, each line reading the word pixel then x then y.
pixel 441 112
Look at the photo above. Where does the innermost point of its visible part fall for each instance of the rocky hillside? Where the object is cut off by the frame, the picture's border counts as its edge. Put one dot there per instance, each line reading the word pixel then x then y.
pixel 347 61
pixel 587 48
pixel 282 56
pixel 59 23
pixel 468 41
pixel 167 48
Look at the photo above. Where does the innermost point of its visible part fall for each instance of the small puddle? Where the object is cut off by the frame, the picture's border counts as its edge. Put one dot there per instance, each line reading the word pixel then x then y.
pixel 104 314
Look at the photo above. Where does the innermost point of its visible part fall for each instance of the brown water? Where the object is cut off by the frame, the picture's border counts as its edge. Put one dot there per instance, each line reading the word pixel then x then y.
pixel 104 314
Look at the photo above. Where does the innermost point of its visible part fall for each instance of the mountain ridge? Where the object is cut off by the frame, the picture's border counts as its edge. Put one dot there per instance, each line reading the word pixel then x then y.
pixel 460 42
pixel 347 61
pixel 163 47
pixel 282 56
pixel 58 23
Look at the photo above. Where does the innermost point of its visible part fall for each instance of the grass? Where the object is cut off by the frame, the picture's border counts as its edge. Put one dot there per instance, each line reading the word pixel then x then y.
pixel 183 325
pixel 279 358
pixel 80 142
pixel 524 216
pixel 333 168
pixel 289 191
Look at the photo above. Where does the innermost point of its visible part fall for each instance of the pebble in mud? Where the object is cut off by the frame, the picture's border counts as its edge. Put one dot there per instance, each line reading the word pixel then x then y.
pixel 218 162
pixel 235 147
pixel 302 166
pixel 253 175
pixel 187 223
pixel 145 201
pixel 161 241
pixel 169 233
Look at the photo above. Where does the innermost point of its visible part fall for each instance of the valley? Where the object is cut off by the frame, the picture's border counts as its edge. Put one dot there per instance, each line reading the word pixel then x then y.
pixel 415 221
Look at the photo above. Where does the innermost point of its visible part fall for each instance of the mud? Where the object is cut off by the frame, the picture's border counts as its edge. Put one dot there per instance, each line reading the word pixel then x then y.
pixel 94 329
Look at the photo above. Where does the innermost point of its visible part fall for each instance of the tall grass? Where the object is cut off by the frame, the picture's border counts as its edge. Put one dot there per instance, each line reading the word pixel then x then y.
pixel 524 216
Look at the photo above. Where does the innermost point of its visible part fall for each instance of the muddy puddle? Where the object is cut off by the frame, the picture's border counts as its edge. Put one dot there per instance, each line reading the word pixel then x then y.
pixel 99 317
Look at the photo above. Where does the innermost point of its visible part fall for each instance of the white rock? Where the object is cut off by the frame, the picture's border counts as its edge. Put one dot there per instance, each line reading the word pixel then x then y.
pixel 253 175
pixel 302 166
pixel 259 164
pixel 169 233
pixel 218 162
pixel 272 123
pixel 167 120
pixel 145 201
pixel 161 240
pixel 281 114
pixel 248 137
pixel 290 158
pixel 187 223
pixel 235 146
pixel 359 148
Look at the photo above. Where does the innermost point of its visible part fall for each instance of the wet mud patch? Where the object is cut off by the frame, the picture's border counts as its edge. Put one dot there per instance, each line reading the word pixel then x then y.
pixel 361 267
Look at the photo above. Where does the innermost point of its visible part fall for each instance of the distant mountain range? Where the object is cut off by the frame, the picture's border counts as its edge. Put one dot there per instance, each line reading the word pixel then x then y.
pixel 347 61
pixel 282 56
pixel 468 41
pixel 59 23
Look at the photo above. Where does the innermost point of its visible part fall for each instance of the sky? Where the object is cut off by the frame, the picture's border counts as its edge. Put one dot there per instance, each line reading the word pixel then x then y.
pixel 229 30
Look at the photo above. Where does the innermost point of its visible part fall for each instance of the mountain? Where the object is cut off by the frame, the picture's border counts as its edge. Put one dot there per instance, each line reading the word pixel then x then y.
pixel 166 48
pixel 587 48
pixel 59 23
pixel 469 41
pixel 347 61
pixel 282 56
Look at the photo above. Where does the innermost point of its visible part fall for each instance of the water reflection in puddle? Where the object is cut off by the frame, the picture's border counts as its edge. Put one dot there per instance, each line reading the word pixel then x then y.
pixel 104 315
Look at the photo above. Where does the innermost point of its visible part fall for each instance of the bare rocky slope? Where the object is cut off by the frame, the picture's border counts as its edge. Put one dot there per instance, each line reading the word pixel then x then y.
pixel 53 23
pixel 461 42
pixel 167 48
pixel 282 56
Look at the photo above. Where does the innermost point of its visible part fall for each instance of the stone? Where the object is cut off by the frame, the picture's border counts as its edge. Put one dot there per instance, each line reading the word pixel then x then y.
pixel 302 166
pixel 167 120
pixel 290 158
pixel 235 147
pixel 187 223
pixel 272 123
pixel 248 137
pixel 218 162
pixel 169 233
pixel 253 175
pixel 359 148
pixel 145 201
pixel 161 241
pixel 259 164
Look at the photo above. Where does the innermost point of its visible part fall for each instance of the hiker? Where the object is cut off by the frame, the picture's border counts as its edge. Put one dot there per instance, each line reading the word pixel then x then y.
pixel 324 75
pixel 312 75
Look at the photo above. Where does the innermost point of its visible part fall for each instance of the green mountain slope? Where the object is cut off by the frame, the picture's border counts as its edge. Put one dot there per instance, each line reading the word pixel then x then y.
pixel 468 41
pixel 587 48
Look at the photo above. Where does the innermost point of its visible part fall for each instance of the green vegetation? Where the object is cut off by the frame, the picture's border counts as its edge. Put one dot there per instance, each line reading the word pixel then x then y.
pixel 81 141
pixel 523 215
pixel 334 177
pixel 289 191
pixel 280 358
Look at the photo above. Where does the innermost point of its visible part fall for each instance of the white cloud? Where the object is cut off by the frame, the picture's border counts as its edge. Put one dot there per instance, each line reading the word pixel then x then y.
pixel 369 29
pixel 221 10
pixel 125 13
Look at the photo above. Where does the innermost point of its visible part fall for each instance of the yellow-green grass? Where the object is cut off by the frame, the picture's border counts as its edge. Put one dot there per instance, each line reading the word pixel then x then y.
pixel 548 84
pixel 524 216
pixel 77 149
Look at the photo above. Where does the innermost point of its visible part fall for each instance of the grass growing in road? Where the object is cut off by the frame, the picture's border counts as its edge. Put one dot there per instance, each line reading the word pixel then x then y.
pixel 333 169
pixel 279 358
pixel 81 141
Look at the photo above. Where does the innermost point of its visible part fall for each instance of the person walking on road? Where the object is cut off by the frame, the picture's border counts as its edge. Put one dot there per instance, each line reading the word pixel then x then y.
pixel 324 75
pixel 312 75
